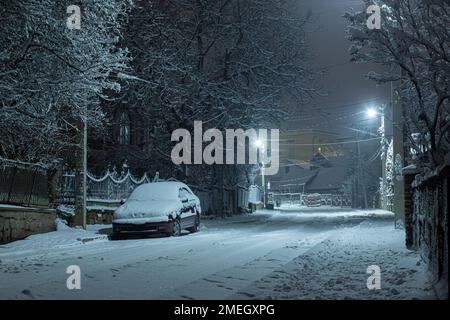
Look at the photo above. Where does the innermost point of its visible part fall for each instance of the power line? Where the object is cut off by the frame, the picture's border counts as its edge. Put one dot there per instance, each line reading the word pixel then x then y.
pixel 341 106
pixel 329 143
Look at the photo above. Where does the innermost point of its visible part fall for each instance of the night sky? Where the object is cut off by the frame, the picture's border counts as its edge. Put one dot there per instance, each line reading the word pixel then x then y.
pixel 345 89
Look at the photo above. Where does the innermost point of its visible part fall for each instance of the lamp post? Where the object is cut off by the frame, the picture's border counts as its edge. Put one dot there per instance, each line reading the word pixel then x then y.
pixel 372 113
pixel 84 185
pixel 260 145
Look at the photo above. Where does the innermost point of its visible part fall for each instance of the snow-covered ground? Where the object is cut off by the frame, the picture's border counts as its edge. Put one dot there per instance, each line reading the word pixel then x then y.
pixel 336 269
pixel 296 253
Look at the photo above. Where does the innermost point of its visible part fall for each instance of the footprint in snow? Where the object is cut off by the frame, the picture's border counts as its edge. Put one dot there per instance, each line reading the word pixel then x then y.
pixel 28 293
pixel 395 291
pixel 250 295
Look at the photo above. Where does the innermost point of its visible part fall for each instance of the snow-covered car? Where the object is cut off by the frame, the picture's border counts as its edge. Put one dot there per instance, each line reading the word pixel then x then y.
pixel 158 207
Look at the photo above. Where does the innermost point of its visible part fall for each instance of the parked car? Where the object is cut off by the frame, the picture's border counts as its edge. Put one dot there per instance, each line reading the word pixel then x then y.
pixel 158 207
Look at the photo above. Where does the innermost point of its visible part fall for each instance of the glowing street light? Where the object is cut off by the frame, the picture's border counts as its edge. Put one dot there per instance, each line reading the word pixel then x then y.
pixel 371 112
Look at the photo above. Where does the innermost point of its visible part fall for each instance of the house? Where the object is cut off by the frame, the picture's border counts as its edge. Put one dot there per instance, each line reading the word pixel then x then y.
pixel 319 175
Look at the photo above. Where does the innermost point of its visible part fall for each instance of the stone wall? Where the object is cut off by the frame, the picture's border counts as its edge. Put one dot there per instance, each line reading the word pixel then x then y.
pixel 428 230
pixel 19 222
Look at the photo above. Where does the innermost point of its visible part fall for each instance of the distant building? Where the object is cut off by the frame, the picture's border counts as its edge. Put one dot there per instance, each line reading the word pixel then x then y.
pixel 311 161
pixel 319 175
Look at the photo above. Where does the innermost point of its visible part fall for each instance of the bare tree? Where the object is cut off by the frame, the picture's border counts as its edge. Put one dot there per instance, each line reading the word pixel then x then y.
pixel 229 63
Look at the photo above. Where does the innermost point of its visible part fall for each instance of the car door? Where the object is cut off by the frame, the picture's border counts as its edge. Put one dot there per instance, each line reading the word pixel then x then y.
pixel 188 213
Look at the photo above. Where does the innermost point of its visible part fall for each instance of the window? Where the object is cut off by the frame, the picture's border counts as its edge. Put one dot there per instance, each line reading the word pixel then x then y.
pixel 124 128
pixel 184 194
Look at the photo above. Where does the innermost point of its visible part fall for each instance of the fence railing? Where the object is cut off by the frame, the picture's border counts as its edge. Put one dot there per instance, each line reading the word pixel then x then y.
pixel 113 187
pixel 23 184
pixel 301 199
pixel 109 187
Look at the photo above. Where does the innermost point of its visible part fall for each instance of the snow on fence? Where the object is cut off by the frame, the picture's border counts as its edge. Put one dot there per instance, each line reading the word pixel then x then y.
pixel 301 199
pixel 113 187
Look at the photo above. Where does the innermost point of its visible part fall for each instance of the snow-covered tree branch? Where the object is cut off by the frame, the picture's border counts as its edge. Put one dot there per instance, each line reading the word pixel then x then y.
pixel 229 63
pixel 413 43
pixel 51 77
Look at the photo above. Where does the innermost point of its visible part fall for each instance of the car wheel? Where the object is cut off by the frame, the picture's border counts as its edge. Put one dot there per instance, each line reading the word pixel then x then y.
pixel 176 228
pixel 194 228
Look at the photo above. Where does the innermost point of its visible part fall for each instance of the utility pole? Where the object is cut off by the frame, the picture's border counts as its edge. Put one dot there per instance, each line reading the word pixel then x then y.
pixel 358 171
pixel 261 146
pixel 263 185
pixel 382 133
pixel 84 173
pixel 397 126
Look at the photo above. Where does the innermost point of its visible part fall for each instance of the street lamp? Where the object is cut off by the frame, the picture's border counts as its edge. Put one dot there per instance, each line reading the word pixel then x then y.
pixel 371 112
pixel 260 145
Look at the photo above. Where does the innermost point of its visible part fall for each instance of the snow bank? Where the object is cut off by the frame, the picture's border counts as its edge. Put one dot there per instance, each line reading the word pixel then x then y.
pixel 64 237
pixel 61 224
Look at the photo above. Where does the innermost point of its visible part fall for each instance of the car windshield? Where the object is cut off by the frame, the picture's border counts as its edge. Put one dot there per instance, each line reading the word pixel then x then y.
pixel 156 191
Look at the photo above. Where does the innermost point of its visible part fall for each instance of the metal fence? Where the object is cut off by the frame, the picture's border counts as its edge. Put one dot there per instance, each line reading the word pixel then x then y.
pixel 301 199
pixel 113 187
pixel 109 187
pixel 23 184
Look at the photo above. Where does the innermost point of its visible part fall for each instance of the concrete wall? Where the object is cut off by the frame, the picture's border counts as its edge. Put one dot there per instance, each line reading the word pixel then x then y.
pixel 19 222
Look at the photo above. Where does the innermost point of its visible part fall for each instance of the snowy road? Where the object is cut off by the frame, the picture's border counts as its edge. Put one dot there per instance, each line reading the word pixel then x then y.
pixel 226 256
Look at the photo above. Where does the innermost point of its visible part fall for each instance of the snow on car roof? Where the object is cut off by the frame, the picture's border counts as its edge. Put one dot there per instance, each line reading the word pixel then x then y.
pixel 157 190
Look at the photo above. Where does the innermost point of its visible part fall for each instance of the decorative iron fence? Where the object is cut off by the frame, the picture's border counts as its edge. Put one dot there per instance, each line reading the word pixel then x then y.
pixel 109 187
pixel 113 188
